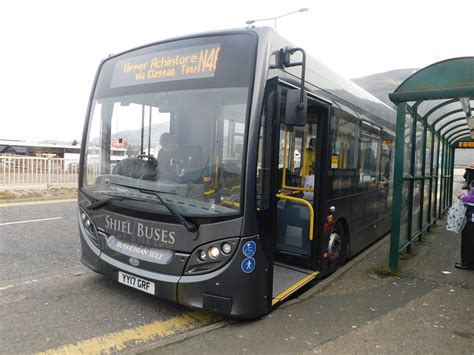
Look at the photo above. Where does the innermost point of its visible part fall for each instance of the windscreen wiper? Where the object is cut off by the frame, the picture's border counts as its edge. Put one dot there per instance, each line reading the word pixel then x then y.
pixel 111 197
pixel 99 203
pixel 189 226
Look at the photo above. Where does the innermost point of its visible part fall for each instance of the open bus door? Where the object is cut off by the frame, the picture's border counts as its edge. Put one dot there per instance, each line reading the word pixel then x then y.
pixel 297 191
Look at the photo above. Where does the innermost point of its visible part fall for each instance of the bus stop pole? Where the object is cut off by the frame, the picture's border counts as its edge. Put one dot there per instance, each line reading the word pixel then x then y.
pixel 397 186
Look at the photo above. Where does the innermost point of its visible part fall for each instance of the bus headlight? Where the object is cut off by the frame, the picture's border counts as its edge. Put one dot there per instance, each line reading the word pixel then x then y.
pixel 214 252
pixel 89 227
pixel 226 248
pixel 210 257
pixel 202 255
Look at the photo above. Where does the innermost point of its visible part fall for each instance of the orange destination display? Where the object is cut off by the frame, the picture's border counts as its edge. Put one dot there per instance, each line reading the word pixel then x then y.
pixel 466 145
pixel 179 64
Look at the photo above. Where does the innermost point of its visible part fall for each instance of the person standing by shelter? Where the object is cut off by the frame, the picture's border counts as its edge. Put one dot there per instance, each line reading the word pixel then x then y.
pixel 467 234
pixel 468 176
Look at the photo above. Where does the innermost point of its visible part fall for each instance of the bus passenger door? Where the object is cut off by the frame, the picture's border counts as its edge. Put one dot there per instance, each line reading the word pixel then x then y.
pixel 289 185
pixel 297 222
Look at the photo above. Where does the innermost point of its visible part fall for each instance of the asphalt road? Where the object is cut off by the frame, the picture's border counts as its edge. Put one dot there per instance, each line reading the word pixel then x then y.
pixel 50 301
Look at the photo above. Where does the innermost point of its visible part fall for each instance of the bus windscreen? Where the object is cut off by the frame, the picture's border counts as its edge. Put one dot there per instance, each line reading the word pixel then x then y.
pixel 180 110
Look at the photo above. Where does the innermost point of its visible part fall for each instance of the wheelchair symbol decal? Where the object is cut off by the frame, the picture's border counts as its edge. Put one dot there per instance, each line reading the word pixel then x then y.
pixel 249 249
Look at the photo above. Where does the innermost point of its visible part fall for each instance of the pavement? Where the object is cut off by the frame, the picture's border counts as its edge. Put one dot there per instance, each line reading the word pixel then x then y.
pixel 427 308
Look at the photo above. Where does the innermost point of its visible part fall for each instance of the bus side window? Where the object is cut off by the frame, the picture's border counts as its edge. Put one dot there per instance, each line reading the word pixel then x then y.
pixel 344 139
pixel 369 155
pixel 386 158
pixel 344 151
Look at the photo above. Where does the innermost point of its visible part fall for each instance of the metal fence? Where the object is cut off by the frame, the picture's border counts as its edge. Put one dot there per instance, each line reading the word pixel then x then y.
pixel 33 172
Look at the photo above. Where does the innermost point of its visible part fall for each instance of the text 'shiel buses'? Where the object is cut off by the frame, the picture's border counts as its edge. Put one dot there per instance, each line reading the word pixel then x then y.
pixel 241 182
pixel 184 63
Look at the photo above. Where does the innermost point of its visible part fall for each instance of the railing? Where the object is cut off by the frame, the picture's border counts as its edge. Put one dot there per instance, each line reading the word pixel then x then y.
pixel 310 208
pixel 33 172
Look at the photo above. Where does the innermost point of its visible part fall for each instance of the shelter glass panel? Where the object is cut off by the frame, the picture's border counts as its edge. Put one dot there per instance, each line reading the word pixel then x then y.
pixel 404 213
pixel 454 124
pixel 407 150
pixel 426 106
pixel 429 144
pixel 416 207
pixel 433 198
pixel 419 149
pixel 426 201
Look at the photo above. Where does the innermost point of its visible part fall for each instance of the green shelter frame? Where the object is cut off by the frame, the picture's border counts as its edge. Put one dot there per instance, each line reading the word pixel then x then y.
pixel 433 116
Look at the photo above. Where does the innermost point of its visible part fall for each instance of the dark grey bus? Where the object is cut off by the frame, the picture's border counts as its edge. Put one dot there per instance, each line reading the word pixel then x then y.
pixel 251 171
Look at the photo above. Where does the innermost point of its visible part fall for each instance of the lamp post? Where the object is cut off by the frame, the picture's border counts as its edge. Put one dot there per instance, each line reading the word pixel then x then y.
pixel 249 22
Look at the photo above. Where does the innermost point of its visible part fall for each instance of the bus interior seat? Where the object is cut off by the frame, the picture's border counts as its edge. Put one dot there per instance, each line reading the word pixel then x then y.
pixel 137 168
pixel 293 227
pixel 194 154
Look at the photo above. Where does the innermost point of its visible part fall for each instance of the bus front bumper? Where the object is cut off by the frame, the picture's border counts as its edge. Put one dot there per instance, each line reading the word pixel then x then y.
pixel 226 291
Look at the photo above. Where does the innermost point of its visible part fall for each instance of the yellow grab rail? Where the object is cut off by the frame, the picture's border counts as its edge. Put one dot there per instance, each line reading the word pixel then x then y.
pixel 216 181
pixel 310 207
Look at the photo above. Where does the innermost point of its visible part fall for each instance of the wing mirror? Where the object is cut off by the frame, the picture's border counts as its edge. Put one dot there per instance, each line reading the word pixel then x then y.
pixel 295 112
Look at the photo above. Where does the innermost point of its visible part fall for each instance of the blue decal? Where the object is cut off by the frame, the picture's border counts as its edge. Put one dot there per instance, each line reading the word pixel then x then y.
pixel 248 265
pixel 249 249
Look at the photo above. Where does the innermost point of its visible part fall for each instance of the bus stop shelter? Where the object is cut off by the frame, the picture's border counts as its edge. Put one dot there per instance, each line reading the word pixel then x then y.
pixel 434 117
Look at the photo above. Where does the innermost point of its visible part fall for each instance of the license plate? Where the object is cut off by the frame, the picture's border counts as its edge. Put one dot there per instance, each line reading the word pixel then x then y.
pixel 136 282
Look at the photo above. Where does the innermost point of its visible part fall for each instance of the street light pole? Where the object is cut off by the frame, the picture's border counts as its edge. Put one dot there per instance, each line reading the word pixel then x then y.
pixel 249 22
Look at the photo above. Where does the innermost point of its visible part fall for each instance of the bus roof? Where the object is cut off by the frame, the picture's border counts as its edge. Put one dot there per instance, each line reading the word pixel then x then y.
pixel 340 89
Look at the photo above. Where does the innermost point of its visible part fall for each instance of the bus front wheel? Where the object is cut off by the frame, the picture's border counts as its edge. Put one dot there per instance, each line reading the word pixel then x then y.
pixel 337 247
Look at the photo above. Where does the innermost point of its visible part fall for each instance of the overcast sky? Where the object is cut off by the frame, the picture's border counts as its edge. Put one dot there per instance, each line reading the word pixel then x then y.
pixel 51 49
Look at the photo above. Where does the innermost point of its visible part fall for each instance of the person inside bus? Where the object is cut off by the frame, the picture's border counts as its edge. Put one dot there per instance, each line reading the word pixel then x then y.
pixel 310 158
pixel 171 158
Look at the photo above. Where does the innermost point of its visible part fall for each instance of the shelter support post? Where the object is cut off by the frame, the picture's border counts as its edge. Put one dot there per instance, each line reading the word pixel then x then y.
pixel 441 185
pixel 411 188
pixel 451 172
pixel 423 181
pixel 432 173
pixel 397 186
pixel 438 176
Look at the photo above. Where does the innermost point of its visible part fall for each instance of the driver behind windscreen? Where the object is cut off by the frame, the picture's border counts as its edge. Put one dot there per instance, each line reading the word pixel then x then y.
pixel 171 158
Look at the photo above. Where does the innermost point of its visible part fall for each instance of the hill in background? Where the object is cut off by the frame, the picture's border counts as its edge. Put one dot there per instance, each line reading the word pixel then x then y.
pixel 382 84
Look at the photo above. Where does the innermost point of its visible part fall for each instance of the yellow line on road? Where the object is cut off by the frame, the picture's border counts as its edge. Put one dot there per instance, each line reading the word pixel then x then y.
pixel 6 287
pixel 118 341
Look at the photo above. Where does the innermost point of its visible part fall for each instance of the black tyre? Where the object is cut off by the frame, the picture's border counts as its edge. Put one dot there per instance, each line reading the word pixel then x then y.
pixel 338 247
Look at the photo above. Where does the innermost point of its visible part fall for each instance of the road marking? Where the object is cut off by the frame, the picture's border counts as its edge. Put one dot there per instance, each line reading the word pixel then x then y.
pixel 31 221
pixel 32 203
pixel 75 271
pixel 117 341
pixel 6 287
